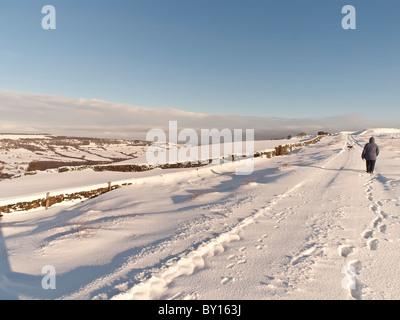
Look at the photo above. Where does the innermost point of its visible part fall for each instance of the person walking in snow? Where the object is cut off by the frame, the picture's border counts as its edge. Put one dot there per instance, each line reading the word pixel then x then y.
pixel 370 153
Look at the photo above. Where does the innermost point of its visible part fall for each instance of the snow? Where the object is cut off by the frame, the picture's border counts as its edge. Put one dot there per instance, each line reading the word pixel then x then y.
pixel 23 136
pixel 382 131
pixel 309 225
pixel 18 151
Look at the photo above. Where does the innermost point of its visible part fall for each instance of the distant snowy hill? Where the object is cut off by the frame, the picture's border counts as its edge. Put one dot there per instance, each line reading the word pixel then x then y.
pixel 20 153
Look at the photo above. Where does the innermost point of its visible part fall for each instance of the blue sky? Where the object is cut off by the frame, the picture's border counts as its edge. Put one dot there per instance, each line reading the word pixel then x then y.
pixel 261 58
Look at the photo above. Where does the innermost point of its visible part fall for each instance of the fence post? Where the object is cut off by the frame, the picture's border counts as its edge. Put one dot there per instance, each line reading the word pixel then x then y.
pixel 47 200
pixel 109 186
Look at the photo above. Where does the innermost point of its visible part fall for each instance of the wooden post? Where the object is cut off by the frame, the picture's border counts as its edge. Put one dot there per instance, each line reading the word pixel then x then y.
pixel 109 186
pixel 47 200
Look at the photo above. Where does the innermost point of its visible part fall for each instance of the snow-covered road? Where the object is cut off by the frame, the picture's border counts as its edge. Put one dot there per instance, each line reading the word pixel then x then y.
pixel 311 238
pixel 309 225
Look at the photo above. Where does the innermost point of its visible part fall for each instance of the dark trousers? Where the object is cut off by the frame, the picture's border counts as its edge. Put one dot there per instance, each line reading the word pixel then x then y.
pixel 370 166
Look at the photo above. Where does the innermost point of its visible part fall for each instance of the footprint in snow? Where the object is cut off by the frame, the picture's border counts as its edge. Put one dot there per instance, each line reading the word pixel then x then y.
pixel 345 250
pixel 375 208
pixel 377 221
pixel 367 234
pixel 373 244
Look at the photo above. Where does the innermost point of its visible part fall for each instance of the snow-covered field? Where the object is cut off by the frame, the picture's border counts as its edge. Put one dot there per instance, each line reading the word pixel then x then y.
pixel 309 225
pixel 17 152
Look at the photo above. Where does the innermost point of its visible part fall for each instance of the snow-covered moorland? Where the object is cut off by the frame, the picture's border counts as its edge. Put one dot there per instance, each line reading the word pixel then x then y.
pixel 309 225
pixel 20 153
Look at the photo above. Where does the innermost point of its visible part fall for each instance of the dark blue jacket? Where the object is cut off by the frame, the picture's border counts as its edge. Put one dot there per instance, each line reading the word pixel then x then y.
pixel 371 150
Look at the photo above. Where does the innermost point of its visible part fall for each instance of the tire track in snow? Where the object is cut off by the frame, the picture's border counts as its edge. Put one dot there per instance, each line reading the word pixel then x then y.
pixel 156 286
pixel 194 261
pixel 299 267
pixel 352 267
pixel 201 224
pixel 298 264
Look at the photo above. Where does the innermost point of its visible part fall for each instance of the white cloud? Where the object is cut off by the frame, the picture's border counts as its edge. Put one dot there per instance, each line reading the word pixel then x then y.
pixel 40 113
